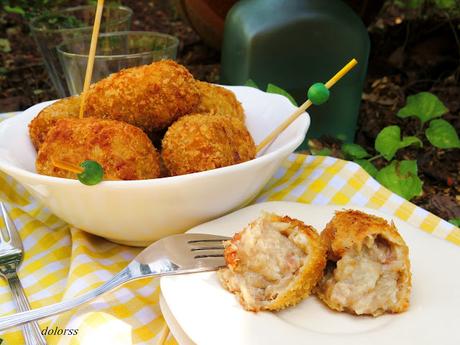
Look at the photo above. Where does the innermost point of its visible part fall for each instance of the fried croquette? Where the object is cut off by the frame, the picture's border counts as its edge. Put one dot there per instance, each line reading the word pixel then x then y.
pixel 150 97
pixel 201 142
pixel 216 100
pixel 368 269
pixel 124 151
pixel 40 125
pixel 273 263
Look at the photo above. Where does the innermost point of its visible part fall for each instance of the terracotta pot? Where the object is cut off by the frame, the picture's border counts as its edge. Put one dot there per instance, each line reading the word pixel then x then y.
pixel 207 18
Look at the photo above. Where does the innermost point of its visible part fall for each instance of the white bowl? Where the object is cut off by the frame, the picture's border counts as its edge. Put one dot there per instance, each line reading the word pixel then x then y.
pixel 140 212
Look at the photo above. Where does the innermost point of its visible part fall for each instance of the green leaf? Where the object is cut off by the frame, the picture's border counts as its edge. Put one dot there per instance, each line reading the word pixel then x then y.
pixel 388 141
pixel 424 106
pixel 354 151
pixel 408 141
pixel 15 9
pixel 5 46
pixel 442 134
pixel 323 152
pixel 445 4
pixel 92 173
pixel 251 83
pixel 272 88
pixel 415 3
pixel 401 178
pixel 409 3
pixel 455 221
pixel 368 166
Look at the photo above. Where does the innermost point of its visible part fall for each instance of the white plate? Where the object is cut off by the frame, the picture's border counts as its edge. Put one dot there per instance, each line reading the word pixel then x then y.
pixel 174 327
pixel 208 314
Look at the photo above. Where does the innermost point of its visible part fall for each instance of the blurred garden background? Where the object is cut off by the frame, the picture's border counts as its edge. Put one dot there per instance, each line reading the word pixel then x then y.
pixel 415 47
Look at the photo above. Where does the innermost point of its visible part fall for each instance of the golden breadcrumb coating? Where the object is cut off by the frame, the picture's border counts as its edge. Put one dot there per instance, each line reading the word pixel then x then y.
pixel 216 100
pixel 124 151
pixel 273 263
pixel 368 271
pixel 40 125
pixel 150 97
pixel 201 142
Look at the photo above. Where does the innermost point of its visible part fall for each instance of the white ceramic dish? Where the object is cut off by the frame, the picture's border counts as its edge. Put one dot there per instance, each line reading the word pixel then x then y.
pixel 139 212
pixel 176 330
pixel 208 314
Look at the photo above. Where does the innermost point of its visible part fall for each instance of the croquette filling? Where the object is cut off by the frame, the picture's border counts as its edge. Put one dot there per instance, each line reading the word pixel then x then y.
pixel 268 260
pixel 367 282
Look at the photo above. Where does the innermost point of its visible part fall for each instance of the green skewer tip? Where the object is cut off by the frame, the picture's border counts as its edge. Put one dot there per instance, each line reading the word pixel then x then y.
pixel 318 93
pixel 92 173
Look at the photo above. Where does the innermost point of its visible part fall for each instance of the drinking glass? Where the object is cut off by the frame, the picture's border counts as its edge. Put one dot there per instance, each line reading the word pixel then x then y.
pixel 52 29
pixel 115 51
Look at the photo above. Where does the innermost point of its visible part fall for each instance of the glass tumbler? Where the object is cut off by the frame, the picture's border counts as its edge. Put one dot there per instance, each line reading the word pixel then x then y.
pixel 52 29
pixel 115 51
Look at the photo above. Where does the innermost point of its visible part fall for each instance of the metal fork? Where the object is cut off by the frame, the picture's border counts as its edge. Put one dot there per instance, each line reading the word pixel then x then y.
pixel 11 255
pixel 176 254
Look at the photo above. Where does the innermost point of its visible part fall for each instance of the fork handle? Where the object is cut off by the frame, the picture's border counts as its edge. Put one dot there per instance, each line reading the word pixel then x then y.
pixel 32 334
pixel 57 308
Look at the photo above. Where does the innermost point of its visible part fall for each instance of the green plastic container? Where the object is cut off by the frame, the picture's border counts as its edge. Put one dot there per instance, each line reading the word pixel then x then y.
pixel 293 44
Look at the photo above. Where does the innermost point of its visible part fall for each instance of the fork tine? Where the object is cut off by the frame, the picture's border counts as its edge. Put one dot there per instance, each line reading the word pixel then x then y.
pixel 3 239
pixel 206 240
pixel 13 234
pixel 209 240
pixel 208 250
pixel 197 249
pixel 207 246
pixel 211 261
pixel 209 255
pixel 4 235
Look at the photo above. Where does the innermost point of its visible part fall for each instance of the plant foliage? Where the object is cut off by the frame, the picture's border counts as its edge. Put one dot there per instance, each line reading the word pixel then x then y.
pixel 442 134
pixel 30 8
pixel 33 8
pixel 401 177
pixel 354 151
pixel 388 142
pixel 424 105
pixel 272 88
pixel 440 4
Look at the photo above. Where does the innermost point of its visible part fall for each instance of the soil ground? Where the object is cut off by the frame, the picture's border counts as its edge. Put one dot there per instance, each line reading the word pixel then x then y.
pixel 410 53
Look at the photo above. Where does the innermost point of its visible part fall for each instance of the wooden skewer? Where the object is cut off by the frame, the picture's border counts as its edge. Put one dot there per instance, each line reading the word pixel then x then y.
pixel 92 54
pixel 67 166
pixel 277 131
pixel 77 169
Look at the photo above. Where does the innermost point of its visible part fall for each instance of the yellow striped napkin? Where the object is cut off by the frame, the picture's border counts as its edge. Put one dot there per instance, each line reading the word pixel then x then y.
pixel 62 262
